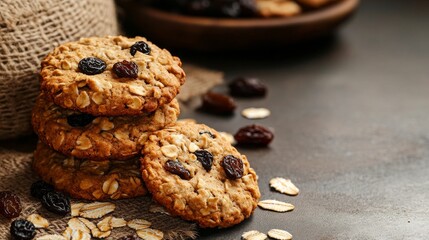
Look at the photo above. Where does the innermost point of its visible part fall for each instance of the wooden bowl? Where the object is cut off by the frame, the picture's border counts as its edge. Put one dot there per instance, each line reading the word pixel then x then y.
pixel 173 30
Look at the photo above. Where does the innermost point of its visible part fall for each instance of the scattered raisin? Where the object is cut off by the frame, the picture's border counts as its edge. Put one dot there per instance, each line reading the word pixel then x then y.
pixel 92 66
pixel 177 168
pixel 22 230
pixel 209 133
pixel 141 47
pixel 126 69
pixel 206 159
pixel 56 202
pixel 40 188
pixel 79 120
pixel 233 167
pixel 247 87
pixel 218 103
pixel 129 237
pixel 10 204
pixel 254 135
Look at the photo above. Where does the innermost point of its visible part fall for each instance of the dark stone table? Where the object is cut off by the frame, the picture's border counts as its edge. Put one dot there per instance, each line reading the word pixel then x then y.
pixel 351 120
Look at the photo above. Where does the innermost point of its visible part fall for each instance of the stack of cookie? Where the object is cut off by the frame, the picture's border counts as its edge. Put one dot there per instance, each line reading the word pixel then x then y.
pixel 101 97
pixel 106 119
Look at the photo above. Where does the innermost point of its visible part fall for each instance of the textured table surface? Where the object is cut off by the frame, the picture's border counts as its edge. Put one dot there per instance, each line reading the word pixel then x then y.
pixel 350 115
pixel 351 120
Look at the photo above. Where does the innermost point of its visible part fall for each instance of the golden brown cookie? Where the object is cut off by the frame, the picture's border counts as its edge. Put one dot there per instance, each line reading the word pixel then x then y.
pixel 98 138
pixel 87 179
pixel 196 174
pixel 90 76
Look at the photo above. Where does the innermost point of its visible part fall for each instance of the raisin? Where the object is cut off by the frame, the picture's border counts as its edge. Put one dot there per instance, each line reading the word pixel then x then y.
pixel 247 87
pixel 218 103
pixel 40 188
pixel 177 168
pixel 10 204
pixel 56 202
pixel 141 47
pixel 126 69
pixel 233 167
pixel 92 66
pixel 254 135
pixel 79 120
pixel 209 133
pixel 129 237
pixel 22 230
pixel 206 159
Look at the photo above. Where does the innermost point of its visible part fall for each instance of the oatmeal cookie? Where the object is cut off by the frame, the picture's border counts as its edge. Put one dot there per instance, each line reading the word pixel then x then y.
pixel 111 76
pixel 196 174
pixel 87 179
pixel 98 138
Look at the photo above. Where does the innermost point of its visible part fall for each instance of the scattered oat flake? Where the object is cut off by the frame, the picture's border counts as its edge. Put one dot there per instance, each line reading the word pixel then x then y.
pixel 138 224
pixel 118 222
pixel 96 209
pixel 284 186
pixel 38 221
pixel 229 137
pixel 276 206
pixel 253 235
pixel 255 113
pixel 75 209
pixel 100 234
pixel 279 234
pixel 105 224
pixel 71 234
pixel 150 234
pixel 75 224
pixel 51 237
pixel 155 208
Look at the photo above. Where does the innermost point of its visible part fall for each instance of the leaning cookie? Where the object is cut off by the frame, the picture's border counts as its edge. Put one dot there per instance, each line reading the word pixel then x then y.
pixel 98 138
pixel 87 179
pixel 196 174
pixel 111 76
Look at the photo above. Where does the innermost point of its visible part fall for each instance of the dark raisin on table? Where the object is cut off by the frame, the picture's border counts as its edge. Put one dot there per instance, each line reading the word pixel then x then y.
pixel 177 168
pixel 91 66
pixel 22 230
pixel 10 205
pixel 233 167
pixel 140 46
pixel 217 103
pixel 247 87
pixel 205 158
pixel 126 69
pixel 57 203
pixel 79 120
pixel 254 135
pixel 40 188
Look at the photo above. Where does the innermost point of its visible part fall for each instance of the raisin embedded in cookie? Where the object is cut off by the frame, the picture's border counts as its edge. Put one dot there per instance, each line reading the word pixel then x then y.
pixel 88 179
pixel 111 76
pixel 196 174
pixel 85 136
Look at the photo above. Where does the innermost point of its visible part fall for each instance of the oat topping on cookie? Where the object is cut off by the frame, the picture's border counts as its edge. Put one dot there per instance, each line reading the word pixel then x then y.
pixel 82 76
pixel 194 182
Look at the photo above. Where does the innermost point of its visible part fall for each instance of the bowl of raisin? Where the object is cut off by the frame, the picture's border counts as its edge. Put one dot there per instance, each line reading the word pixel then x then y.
pixel 214 25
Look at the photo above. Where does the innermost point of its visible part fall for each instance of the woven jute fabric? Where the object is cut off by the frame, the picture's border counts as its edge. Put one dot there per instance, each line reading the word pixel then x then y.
pixel 16 175
pixel 29 29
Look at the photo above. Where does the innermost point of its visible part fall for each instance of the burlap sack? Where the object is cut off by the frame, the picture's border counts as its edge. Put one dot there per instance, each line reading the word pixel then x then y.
pixel 29 29
pixel 16 175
